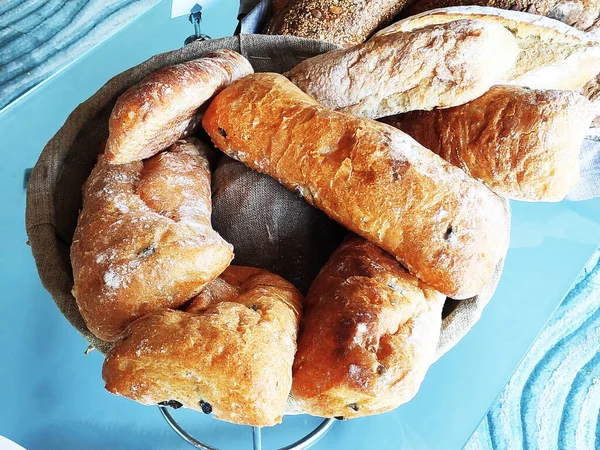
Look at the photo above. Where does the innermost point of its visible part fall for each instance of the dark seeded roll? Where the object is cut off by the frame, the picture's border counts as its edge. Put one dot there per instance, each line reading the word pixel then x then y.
pixel 343 22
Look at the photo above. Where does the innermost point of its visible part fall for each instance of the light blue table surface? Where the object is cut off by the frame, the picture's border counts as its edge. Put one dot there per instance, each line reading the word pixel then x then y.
pixel 52 395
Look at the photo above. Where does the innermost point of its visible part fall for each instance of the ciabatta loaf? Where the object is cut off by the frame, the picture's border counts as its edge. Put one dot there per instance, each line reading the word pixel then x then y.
pixel 524 144
pixel 161 108
pixel 553 55
pixel 437 66
pixel 446 228
pixel 369 334
pixel 229 354
pixel 144 240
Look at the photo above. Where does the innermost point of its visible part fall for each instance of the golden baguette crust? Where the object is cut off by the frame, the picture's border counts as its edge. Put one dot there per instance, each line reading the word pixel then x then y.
pixel 369 334
pixel 154 113
pixel 446 228
pixel 231 353
pixel 438 66
pixel 553 55
pixel 578 13
pixel 524 144
pixel 343 22
pixel 144 241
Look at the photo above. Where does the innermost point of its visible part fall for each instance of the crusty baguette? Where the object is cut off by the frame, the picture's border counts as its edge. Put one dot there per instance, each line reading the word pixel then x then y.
pixel 524 144
pixel 553 55
pixel 144 240
pixel 343 22
pixel 577 13
pixel 369 334
pixel 231 353
pixel 446 228
pixel 161 108
pixel 439 66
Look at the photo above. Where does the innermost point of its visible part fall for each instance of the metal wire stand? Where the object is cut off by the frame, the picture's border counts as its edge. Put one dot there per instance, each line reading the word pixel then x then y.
pixel 307 441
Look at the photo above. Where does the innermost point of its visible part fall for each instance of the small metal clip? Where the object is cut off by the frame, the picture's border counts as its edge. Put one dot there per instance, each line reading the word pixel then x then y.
pixel 195 18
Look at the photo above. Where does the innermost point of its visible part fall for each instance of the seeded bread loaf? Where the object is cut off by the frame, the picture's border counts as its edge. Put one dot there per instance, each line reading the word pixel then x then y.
pixel 144 241
pixel 343 22
pixel 524 144
pixel 438 66
pixel 369 334
pixel 446 228
pixel 553 55
pixel 154 113
pixel 229 354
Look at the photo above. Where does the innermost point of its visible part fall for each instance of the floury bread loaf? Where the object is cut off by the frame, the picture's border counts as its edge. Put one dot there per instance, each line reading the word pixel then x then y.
pixel 230 353
pixel 578 13
pixel 144 240
pixel 154 113
pixel 369 334
pixel 553 55
pixel 522 143
pixel 446 228
pixel 437 66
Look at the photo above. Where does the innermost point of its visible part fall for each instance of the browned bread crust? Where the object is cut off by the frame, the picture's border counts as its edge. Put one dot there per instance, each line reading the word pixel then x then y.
pixel 278 5
pixel 368 336
pixel 577 13
pixel 343 22
pixel 438 66
pixel 524 144
pixel 161 108
pixel 553 55
pixel 144 241
pixel 446 228
pixel 592 92
pixel 231 353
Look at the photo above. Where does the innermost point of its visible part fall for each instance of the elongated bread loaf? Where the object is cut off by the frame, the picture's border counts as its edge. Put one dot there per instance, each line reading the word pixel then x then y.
pixel 553 55
pixel 144 240
pixel 577 13
pixel 524 144
pixel 230 354
pixel 592 92
pixel 446 228
pixel 369 334
pixel 438 66
pixel 343 22
pixel 161 108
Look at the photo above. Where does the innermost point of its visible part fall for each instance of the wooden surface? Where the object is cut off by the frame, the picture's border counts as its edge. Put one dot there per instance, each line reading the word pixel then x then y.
pixel 37 38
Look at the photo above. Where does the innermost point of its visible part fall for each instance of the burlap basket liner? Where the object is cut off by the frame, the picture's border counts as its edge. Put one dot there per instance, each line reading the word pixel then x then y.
pixel 269 226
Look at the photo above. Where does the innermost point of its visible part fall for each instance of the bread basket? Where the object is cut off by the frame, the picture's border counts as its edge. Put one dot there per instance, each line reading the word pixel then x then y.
pixel 54 195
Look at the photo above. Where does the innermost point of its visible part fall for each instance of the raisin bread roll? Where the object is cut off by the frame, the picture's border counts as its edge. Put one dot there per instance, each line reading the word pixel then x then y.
pixel 369 334
pixel 161 108
pixel 144 241
pixel 438 66
pixel 524 144
pixel 342 22
pixel 230 354
pixel 553 55
pixel 446 228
